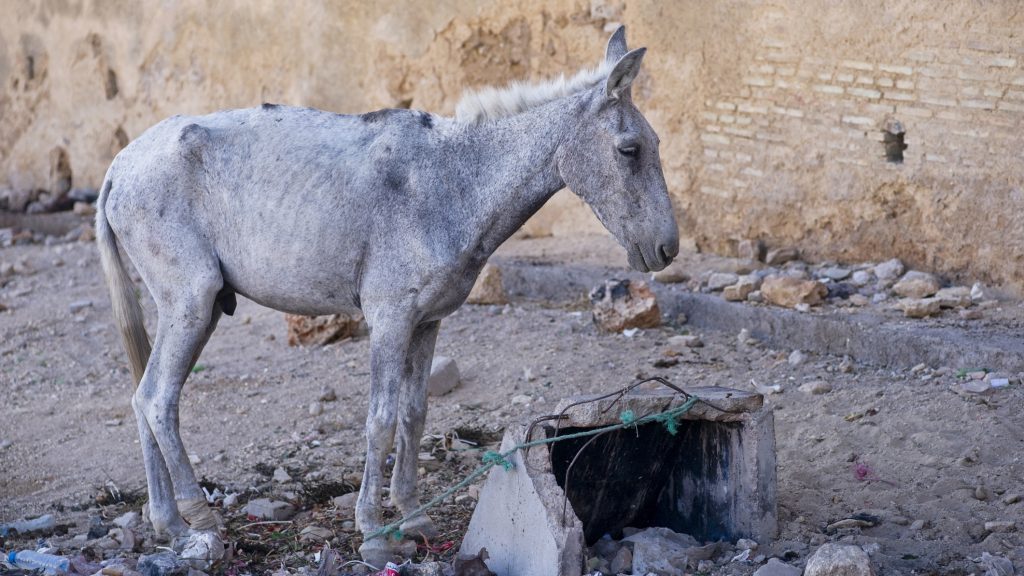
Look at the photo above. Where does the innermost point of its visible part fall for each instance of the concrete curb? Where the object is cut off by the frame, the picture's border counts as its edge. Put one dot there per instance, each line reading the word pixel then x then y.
pixel 865 337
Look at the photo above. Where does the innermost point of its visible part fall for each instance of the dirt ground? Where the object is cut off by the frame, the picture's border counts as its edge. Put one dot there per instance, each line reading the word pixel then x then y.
pixel 932 463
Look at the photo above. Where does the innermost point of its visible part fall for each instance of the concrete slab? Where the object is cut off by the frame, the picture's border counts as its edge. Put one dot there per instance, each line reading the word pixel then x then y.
pixel 714 479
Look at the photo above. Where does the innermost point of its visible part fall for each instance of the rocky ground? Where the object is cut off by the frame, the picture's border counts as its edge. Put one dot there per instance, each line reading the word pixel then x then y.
pixel 918 465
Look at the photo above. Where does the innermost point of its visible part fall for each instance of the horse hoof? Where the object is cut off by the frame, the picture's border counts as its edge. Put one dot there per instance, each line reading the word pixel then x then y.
pixel 420 528
pixel 376 552
pixel 203 549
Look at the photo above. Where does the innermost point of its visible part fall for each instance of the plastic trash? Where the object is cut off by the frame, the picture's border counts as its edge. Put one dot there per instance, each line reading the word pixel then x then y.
pixel 44 523
pixel 48 563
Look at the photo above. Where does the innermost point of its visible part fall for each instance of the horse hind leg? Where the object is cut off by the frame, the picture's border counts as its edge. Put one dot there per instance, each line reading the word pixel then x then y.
pixel 183 328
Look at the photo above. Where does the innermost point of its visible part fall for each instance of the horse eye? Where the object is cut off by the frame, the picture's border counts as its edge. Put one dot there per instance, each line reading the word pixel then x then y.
pixel 629 150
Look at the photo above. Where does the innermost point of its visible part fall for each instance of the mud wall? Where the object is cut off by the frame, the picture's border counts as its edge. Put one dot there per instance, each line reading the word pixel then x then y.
pixel 772 115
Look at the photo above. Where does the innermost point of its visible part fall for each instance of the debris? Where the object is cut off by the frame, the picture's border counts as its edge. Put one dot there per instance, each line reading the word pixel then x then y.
pixel 739 291
pixel 162 564
pixel 47 563
pixel 42 526
pixel 346 502
pixel 954 297
pixel 79 305
pixel 839 560
pixel 766 389
pixel 267 509
pixel 678 342
pixel 328 395
pixel 281 475
pixel 977 292
pixel 975 386
pixel 861 278
pixel 315 533
pixel 127 519
pixel 323 330
pixel 316 408
pixel 444 376
pixel 996 565
pixel 915 284
pixel 746 544
pixel 780 256
pixel 797 357
pixel 621 304
pixel 472 565
pixel 1001 526
pixel 835 273
pixel 789 292
pixel 488 288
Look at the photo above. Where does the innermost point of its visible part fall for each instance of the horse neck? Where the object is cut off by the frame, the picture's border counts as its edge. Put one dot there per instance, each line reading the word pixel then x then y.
pixel 513 170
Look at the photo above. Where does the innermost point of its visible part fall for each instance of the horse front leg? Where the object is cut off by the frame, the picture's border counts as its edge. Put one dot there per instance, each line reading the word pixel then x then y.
pixel 389 355
pixel 412 413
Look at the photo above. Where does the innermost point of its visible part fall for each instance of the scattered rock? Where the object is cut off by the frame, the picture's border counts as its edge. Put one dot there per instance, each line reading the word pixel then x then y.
pixel 444 376
pixel 720 280
pixel 977 292
pixel 622 562
pixel 915 284
pixel 861 278
pixel 621 304
pixel 776 567
pixel 971 314
pixel 267 509
pixel 1012 499
pixel 162 564
pixel 660 550
pixel 789 292
pixel 1001 526
pixel 839 560
pixel 488 288
pixel 316 408
pixel 746 544
pixel 685 341
pixel 472 565
pixel 816 387
pixel 919 307
pixel 281 476
pixel 84 209
pixel 780 256
pixel 346 502
pixel 797 357
pixel 126 520
pixel 751 250
pixel 917 525
pixel 328 395
pixel 954 297
pixel 315 533
pixel 836 273
pixel 996 565
pixel 739 291
pixel 323 330
pixel 889 270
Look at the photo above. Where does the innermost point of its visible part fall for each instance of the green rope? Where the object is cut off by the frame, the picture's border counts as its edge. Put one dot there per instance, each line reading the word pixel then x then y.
pixel 492 458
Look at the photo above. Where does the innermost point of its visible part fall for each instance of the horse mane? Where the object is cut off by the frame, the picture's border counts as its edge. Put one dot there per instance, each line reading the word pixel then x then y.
pixel 489 102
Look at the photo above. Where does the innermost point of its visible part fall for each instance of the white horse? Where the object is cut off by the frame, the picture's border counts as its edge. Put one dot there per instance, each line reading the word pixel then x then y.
pixel 392 212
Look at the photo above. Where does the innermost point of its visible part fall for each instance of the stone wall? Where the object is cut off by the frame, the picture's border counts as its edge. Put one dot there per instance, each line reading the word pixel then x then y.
pixel 772 115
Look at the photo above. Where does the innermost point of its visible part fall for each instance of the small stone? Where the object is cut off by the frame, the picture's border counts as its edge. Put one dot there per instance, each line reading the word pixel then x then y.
pixel 1012 499
pixel 1000 526
pixel 195 459
pixel 871 548
pixel 755 296
pixel 622 562
pixel 889 270
pixel 954 297
pixel 861 278
pixel 521 399
pixel 328 395
pixel 746 544
pixel 981 493
pixel 797 357
pixel 751 249
pixel 879 298
pixel 316 408
pixel 917 525
pixel 977 291
pixel 919 307
pixel 79 305
pixel 346 502
pixel 6 269
pixel 859 300
pixel 835 273
pixel 789 292
pixel 996 565
pixel 744 338
pixel 465 499
pixel 780 256
pixel 720 280
pixel 488 288
pixel 915 284
pixel 618 305
pixel 126 520
pixel 816 387
pixel 162 564
pixel 267 509
pixel 314 533
pixel 848 523
pixel 444 376
pixel 685 341
pixel 776 567
pixel 839 560
pixel 739 291
pixel 281 476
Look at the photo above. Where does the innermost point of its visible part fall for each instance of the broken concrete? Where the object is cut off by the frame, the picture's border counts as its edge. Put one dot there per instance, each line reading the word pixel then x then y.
pixel 712 476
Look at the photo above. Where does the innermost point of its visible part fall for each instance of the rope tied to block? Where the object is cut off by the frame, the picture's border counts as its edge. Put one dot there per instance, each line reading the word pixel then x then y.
pixel 491 458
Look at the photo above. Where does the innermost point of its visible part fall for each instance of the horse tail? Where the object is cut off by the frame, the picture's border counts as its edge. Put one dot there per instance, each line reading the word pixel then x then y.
pixel 124 301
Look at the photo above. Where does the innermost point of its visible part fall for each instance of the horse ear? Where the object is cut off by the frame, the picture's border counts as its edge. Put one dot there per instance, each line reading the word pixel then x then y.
pixel 624 73
pixel 616 48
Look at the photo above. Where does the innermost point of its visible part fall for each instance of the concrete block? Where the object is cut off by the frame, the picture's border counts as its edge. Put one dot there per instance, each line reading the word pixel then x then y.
pixel 267 509
pixel 714 479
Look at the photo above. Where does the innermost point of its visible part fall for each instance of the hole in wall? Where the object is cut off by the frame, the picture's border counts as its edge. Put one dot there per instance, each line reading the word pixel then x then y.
pixel 893 139
pixel 110 85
